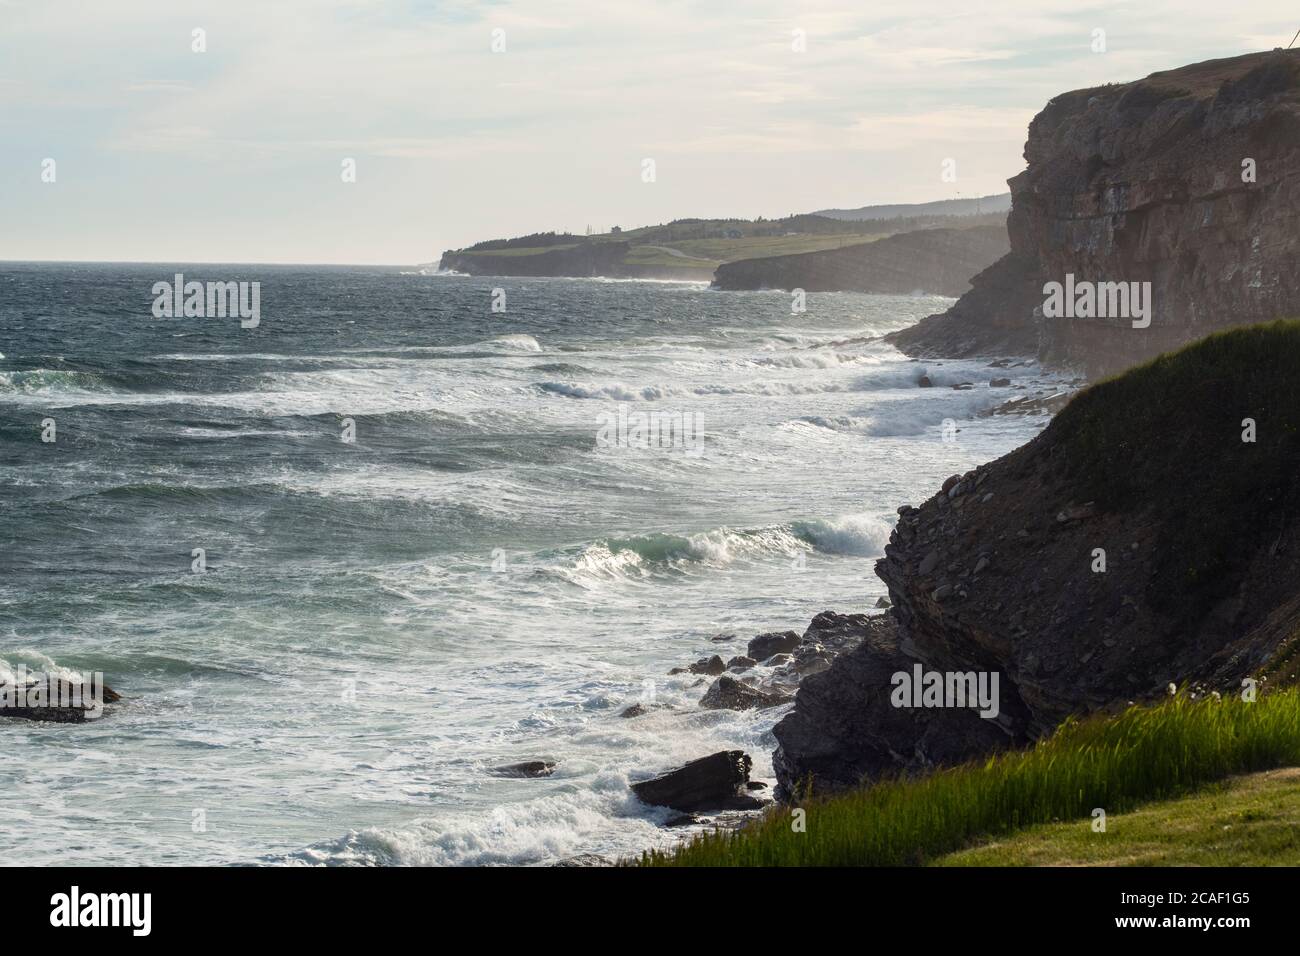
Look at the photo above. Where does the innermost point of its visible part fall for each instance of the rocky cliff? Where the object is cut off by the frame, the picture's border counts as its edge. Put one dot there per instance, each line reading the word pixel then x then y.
pixel 937 261
pixel 1188 179
pixel 1150 535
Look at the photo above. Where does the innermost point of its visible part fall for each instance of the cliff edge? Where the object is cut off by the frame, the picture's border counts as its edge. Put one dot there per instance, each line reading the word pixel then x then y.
pixel 1149 535
pixel 1188 180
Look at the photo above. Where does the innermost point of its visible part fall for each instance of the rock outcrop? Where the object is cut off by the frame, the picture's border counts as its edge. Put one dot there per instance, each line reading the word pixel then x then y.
pixel 843 729
pixel 719 781
pixel 1145 537
pixel 937 261
pixel 56 699
pixel 1188 179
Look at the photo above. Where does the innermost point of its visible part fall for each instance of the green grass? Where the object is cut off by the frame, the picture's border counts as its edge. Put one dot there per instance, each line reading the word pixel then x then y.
pixel 1117 762
pixel 1246 821
pixel 1217 500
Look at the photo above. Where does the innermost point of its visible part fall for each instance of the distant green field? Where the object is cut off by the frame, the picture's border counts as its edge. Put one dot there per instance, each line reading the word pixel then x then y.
pixel 521 250
pixel 702 254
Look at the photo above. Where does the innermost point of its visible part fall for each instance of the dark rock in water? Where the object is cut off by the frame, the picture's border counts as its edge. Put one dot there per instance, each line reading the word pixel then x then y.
pixel 708 665
pixel 925 382
pixel 722 638
pixel 682 820
pixel 774 642
pixel 882 602
pixel 528 768
pixel 741 663
pixel 727 693
pixel 636 710
pixel 584 859
pixel 715 782
pixel 999 382
pixel 57 701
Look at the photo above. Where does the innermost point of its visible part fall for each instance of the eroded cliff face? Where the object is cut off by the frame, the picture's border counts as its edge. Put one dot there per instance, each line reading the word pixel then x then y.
pixel 1140 540
pixel 1188 179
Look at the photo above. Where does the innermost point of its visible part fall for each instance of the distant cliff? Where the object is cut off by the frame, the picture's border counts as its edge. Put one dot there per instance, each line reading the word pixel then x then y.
pixel 581 259
pixel 938 261
pixel 1188 179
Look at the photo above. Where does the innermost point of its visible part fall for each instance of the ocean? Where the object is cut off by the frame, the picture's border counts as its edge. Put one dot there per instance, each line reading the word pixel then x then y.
pixel 345 562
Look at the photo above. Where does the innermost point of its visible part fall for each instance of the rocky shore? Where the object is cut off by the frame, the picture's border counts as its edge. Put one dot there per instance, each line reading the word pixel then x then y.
pixel 1086 570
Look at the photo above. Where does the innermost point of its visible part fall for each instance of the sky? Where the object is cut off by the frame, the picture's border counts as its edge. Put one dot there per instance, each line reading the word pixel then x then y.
pixel 236 153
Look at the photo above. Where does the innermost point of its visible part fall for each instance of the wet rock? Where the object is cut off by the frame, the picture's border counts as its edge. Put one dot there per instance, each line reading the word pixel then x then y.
pixel 636 710
pixel 775 642
pixel 727 693
pixel 715 782
pixel 999 382
pixel 584 859
pixel 925 382
pixel 882 602
pixel 56 701
pixel 708 665
pixel 526 768
pixel 741 663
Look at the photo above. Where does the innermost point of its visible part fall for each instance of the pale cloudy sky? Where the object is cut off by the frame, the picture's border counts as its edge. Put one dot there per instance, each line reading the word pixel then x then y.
pixel 234 154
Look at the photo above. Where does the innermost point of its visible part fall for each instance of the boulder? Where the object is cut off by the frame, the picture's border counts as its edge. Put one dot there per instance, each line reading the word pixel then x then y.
pixel 55 701
pixel 708 665
pixel 716 782
pixel 774 642
pixel 727 693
